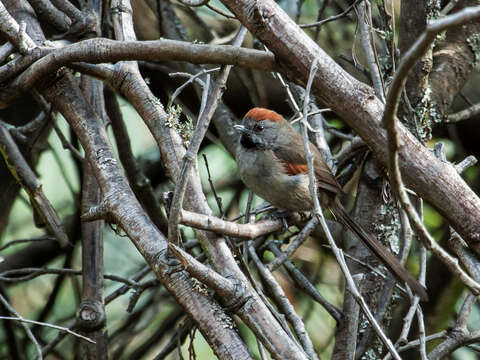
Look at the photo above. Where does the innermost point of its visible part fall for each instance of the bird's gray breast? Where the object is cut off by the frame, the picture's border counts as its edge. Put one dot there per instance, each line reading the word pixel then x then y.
pixel 264 174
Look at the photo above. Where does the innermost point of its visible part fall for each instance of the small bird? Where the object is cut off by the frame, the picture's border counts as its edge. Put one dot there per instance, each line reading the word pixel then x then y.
pixel 272 163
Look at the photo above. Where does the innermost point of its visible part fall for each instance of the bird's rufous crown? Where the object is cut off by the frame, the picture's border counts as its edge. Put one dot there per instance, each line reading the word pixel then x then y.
pixel 259 114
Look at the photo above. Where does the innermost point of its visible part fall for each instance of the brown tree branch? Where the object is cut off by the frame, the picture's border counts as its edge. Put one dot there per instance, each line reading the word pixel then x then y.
pixel 91 318
pixel 454 60
pixel 464 114
pixel 99 50
pixel 22 172
pixel 392 126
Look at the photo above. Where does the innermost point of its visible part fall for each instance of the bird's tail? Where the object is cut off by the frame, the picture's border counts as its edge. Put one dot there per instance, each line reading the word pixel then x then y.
pixel 380 251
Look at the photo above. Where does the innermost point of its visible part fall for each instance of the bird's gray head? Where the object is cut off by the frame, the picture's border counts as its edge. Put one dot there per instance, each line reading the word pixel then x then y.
pixel 260 129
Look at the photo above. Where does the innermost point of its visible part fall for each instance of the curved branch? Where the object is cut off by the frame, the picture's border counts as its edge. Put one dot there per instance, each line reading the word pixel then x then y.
pixel 46 61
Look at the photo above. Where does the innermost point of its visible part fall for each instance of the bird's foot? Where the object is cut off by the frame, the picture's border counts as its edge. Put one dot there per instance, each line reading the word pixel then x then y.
pixel 281 214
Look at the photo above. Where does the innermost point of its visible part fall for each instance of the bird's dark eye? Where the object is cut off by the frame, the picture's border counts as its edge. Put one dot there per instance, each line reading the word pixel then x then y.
pixel 258 128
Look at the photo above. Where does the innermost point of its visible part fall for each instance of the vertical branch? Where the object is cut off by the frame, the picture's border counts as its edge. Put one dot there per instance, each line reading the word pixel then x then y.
pixel 138 181
pixel 91 315
pixel 365 20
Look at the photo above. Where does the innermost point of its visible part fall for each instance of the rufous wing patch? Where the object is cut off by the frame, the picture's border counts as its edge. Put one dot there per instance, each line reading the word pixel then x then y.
pixel 260 114
pixel 295 169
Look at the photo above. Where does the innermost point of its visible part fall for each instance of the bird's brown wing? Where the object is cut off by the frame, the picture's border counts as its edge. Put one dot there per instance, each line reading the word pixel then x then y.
pixel 296 162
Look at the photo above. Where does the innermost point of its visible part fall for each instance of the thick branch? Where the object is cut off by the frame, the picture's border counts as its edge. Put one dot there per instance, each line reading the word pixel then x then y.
pixel 454 60
pixel 99 50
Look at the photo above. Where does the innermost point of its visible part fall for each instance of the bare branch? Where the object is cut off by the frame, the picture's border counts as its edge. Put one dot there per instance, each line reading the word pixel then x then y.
pixel 233 293
pixel 368 44
pixel 15 33
pixel 466 163
pixel 332 18
pixel 464 114
pixel 212 223
pixel 284 304
pixel 191 79
pixel 299 240
pixel 304 284
pixel 22 172
pixel 47 60
pixel 56 327
pixel 390 122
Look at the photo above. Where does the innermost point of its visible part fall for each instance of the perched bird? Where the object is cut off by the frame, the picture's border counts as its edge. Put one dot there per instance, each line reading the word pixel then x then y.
pixel 272 163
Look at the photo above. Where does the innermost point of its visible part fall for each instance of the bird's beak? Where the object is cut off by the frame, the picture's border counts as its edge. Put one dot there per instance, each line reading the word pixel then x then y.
pixel 240 128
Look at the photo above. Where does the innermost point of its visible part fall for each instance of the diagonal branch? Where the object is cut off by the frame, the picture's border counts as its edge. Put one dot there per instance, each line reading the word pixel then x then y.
pixel 25 176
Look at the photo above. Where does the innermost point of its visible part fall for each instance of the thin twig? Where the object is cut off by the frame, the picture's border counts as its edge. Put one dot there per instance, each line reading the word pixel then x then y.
pixel 319 16
pixel 465 114
pixel 48 110
pixel 12 276
pixel 203 101
pixel 191 79
pixel 24 325
pixel 284 304
pixel 217 198
pixel 331 18
pixel 299 240
pixel 415 343
pixel 21 241
pixel 221 12
pixel 60 328
pixel 369 48
pixel 303 283
pixel 421 324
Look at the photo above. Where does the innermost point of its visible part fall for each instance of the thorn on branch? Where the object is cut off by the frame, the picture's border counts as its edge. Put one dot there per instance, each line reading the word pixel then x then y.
pixel 99 212
pixel 469 161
